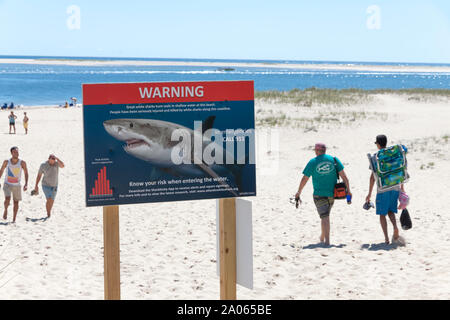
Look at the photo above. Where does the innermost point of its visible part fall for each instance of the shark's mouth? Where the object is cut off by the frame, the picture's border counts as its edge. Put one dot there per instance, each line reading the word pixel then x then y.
pixel 133 143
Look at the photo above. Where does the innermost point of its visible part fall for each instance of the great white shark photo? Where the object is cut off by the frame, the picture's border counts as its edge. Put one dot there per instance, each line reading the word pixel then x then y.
pixel 160 142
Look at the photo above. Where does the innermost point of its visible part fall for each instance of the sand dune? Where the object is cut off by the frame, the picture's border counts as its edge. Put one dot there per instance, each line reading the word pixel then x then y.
pixel 168 249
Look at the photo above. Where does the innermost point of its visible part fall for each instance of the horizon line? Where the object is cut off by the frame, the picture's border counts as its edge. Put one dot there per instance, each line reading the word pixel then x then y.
pixel 6 56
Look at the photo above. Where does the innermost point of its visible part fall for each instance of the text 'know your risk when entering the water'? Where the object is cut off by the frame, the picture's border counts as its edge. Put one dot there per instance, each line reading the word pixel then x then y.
pixel 176 181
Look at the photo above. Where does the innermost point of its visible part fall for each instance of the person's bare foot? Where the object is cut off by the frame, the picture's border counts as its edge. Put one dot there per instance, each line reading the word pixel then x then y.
pixel 5 215
pixel 396 235
pixel 322 238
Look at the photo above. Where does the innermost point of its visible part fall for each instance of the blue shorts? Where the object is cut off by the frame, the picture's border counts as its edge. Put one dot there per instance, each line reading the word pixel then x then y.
pixel 50 192
pixel 387 202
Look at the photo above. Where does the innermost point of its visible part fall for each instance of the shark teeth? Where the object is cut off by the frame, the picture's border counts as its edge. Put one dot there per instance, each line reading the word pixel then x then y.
pixel 135 143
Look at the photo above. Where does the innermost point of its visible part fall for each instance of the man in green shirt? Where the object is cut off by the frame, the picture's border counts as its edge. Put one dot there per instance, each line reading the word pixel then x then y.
pixel 323 170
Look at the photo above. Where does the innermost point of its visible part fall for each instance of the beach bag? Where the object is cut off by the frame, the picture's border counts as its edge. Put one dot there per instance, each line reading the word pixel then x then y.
pixel 390 167
pixel 403 200
pixel 340 189
pixel 405 220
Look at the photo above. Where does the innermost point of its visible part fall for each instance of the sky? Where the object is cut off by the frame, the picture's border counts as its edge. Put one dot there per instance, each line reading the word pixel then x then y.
pixel 321 30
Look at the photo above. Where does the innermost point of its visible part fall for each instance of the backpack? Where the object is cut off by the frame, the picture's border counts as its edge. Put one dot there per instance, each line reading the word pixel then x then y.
pixel 390 167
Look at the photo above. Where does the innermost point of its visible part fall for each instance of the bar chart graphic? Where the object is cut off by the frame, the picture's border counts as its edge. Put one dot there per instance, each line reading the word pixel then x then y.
pixel 102 187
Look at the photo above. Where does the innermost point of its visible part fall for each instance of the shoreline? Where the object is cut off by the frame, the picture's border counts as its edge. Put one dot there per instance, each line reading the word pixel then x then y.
pixel 39 106
pixel 298 66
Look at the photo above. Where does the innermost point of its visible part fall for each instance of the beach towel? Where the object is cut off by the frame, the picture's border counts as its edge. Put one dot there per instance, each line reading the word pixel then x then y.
pixel 390 167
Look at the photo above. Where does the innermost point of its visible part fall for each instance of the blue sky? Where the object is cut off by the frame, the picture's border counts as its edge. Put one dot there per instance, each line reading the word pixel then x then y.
pixel 352 30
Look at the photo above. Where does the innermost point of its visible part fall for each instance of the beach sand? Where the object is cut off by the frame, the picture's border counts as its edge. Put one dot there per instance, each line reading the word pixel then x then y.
pixel 300 66
pixel 168 250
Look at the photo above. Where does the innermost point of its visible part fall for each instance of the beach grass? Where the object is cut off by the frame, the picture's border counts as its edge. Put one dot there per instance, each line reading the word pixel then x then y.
pixel 320 120
pixel 313 96
pixel 437 146
pixel 341 97
pixel 336 116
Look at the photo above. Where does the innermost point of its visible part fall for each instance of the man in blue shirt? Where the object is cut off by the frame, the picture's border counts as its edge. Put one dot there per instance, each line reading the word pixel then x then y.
pixel 324 170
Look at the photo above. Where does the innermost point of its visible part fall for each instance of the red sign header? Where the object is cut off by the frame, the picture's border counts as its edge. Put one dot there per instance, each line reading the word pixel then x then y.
pixel 166 92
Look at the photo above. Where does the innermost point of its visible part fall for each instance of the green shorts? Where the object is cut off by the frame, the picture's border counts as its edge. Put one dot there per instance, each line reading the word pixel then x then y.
pixel 323 205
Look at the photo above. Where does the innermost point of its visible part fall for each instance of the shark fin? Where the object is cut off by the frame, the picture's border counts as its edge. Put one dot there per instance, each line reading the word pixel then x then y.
pixel 208 123
pixel 170 171
pixel 213 174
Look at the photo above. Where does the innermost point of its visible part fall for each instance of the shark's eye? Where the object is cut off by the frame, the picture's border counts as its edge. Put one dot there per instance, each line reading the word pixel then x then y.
pixel 131 124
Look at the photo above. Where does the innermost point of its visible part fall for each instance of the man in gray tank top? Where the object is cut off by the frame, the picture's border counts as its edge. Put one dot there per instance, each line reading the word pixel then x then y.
pixel 14 167
pixel 49 169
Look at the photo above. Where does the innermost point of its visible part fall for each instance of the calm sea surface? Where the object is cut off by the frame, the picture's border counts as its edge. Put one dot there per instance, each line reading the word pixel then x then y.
pixel 47 84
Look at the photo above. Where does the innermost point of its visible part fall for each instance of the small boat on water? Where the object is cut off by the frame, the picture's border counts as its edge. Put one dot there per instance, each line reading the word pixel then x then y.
pixel 225 69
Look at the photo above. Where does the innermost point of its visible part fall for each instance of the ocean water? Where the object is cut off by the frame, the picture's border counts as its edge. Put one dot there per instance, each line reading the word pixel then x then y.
pixel 54 85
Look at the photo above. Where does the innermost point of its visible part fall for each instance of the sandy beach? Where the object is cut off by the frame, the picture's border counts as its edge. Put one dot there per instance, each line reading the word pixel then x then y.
pixel 299 66
pixel 168 250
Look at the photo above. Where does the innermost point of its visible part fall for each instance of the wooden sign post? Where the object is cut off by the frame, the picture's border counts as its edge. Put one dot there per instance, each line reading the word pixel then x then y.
pixel 113 175
pixel 111 251
pixel 227 240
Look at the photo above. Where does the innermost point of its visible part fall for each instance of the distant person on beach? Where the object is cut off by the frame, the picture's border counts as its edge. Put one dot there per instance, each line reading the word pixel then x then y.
pixel 323 170
pixel 14 167
pixel 386 201
pixel 12 122
pixel 5 106
pixel 25 122
pixel 66 105
pixel 49 169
